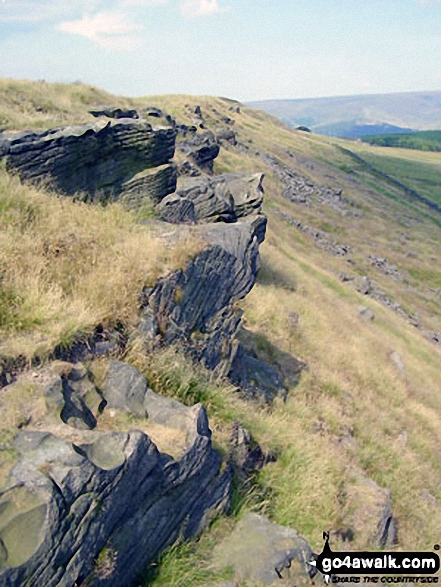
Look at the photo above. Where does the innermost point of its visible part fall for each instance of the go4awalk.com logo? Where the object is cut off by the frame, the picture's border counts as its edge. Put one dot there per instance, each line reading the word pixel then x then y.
pixel 406 564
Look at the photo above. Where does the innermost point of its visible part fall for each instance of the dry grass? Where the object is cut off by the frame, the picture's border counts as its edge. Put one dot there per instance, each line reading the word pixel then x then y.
pixel 39 105
pixel 67 266
pixel 352 390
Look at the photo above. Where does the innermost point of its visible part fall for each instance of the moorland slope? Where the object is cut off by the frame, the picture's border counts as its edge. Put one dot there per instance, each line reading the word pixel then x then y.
pixel 345 315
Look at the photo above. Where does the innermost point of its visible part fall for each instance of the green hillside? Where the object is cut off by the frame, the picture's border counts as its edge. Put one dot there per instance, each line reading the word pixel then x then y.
pixel 370 398
pixel 429 140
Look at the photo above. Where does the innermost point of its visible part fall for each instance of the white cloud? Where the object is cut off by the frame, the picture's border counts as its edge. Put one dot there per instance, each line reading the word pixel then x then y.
pixel 110 30
pixel 196 8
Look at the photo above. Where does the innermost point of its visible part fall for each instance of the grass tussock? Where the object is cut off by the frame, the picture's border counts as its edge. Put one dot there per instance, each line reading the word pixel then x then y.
pixel 67 266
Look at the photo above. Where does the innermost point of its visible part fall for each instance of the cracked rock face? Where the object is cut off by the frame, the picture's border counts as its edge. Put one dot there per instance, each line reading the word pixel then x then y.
pixel 195 306
pixel 95 506
pixel 223 198
pixel 201 149
pixel 97 159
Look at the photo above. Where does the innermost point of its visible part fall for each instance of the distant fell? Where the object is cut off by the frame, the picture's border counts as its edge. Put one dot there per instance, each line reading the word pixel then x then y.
pixel 353 116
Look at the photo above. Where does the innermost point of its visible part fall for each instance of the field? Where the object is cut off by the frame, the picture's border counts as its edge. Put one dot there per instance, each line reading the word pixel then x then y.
pixel 356 407
pixel 429 140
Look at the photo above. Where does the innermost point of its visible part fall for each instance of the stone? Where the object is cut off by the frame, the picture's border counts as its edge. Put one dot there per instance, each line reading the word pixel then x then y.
pixel 245 453
pixel 261 370
pixel 177 210
pixel 125 388
pixel 262 552
pixel 152 111
pixel 203 317
pixel 293 319
pixel 385 267
pixel 226 135
pixel 434 337
pixel 397 361
pixel 255 377
pixel 223 198
pixel 154 184
pixel 98 507
pixel 321 238
pixel 363 285
pixel 115 113
pixel 188 169
pixel 366 313
pixel 367 511
pixel 3 377
pixel 300 189
pixel 73 396
pixel 96 159
pixel 201 149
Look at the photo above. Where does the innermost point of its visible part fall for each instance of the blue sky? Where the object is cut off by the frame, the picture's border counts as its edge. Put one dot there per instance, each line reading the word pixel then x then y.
pixel 243 49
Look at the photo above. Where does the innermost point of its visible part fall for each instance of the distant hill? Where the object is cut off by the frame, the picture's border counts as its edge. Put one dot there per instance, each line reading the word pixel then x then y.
pixel 427 140
pixel 353 116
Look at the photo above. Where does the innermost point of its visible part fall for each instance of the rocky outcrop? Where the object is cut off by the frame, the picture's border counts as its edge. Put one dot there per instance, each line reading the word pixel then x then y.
pixel 367 287
pixel 95 159
pixel 256 377
pixel 246 454
pixel 201 149
pixel 385 267
pixel 321 238
pixel 154 183
pixel 195 306
pixel 223 198
pixel 226 136
pixel 117 113
pixel 300 189
pixel 88 506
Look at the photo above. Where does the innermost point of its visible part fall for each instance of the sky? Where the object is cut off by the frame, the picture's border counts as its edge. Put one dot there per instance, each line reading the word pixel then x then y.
pixel 242 49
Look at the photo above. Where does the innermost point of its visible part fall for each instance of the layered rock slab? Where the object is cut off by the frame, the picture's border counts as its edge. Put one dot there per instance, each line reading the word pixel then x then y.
pixel 223 198
pixel 96 159
pixel 196 306
pixel 96 507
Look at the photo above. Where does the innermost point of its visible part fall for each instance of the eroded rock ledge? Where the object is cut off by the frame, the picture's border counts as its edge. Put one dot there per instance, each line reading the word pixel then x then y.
pixel 88 504
pixel 96 159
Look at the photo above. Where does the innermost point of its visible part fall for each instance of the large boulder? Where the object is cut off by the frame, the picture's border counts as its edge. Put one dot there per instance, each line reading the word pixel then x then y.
pixel 98 506
pixel 195 306
pixel 263 553
pixel 201 149
pixel 255 377
pixel 221 198
pixel 96 159
pixel 153 183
